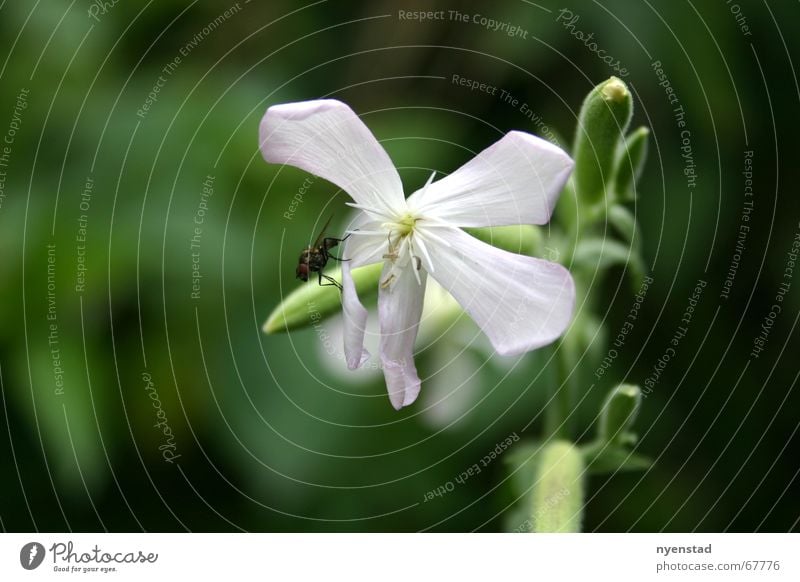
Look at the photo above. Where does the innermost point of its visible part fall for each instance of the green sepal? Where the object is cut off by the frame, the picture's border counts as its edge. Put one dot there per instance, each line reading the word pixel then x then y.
pixel 311 303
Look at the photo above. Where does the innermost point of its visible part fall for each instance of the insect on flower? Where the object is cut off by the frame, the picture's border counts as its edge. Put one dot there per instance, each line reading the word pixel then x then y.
pixel 315 257
pixel 520 302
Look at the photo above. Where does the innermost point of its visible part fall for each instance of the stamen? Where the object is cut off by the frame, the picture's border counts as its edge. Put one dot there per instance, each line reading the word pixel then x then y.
pixel 387 281
pixel 415 259
pixel 424 249
pixel 416 274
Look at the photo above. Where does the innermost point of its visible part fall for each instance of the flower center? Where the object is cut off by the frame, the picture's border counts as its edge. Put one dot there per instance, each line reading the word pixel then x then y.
pixel 405 225
pixel 401 249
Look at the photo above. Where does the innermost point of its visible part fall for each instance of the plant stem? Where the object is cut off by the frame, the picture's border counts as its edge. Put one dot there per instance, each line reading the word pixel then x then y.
pixel 558 493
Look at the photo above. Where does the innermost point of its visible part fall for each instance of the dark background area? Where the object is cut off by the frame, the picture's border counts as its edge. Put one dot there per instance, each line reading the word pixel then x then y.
pixel 272 434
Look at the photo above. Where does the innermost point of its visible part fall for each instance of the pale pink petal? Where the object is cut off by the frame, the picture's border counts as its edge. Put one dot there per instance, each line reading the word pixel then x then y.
pixel 399 312
pixel 355 322
pixel 328 139
pixel 360 250
pixel 521 303
pixel 516 180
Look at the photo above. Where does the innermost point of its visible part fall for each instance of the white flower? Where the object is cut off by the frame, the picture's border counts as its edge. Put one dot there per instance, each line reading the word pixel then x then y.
pixel 521 303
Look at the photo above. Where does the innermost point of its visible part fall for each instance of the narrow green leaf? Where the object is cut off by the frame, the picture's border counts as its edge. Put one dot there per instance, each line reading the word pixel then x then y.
pixel 631 156
pixel 601 253
pixel 624 222
pixel 602 459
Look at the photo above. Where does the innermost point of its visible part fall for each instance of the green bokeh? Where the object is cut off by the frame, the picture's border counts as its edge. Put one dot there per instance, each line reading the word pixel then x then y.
pixel 269 437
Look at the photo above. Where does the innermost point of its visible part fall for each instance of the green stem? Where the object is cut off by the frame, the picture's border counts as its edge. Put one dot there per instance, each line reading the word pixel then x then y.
pixel 557 412
pixel 558 493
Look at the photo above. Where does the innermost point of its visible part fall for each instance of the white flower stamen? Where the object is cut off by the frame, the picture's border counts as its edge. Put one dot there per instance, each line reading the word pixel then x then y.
pixel 424 249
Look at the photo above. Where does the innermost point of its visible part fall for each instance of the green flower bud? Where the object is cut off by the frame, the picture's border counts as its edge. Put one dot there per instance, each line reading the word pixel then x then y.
pixel 631 156
pixel 310 303
pixel 618 414
pixel 603 120
pixel 558 491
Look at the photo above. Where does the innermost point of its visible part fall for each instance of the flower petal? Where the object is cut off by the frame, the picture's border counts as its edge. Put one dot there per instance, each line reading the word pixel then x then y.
pixel 328 139
pixel 516 180
pixel 355 322
pixel 399 312
pixel 359 250
pixel 521 303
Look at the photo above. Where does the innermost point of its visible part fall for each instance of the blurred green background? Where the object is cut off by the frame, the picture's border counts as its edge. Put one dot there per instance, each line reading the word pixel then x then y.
pixel 270 433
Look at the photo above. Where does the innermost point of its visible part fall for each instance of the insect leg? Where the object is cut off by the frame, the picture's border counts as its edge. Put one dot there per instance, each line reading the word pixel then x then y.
pixel 326 246
pixel 330 281
pixel 326 242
